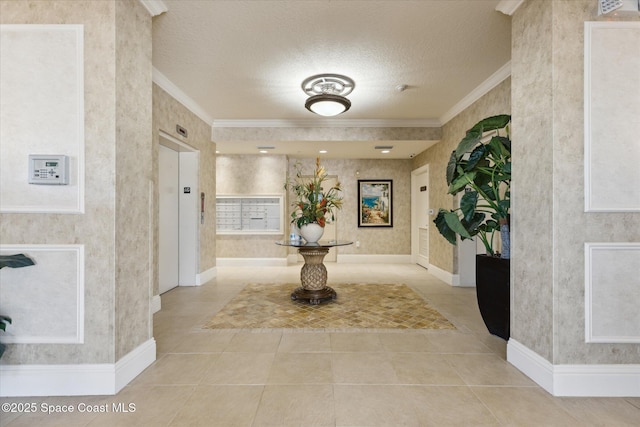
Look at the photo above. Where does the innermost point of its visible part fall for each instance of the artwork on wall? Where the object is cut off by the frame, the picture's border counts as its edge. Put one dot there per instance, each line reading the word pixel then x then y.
pixel 375 203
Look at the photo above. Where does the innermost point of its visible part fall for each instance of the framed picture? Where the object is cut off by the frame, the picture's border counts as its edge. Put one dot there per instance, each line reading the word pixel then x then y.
pixel 375 203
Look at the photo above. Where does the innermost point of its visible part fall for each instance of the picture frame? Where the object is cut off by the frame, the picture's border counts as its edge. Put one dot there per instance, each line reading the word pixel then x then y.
pixel 375 203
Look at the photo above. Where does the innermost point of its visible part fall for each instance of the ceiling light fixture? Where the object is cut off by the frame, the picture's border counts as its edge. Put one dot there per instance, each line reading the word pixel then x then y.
pixel 327 94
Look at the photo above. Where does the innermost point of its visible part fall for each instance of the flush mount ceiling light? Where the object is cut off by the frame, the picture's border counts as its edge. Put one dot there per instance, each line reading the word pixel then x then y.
pixel 327 94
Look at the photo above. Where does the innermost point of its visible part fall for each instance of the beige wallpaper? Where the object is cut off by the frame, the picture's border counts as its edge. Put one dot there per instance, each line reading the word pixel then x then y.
pixel 167 113
pixel 257 175
pixel 267 174
pixel 116 249
pixel 133 175
pixel 550 226
pixel 498 101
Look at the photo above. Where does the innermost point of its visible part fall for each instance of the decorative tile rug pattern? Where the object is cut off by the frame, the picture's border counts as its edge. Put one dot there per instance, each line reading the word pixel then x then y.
pixel 358 306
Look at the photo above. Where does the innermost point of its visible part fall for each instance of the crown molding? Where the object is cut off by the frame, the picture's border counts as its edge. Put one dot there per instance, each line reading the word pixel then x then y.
pixel 508 7
pixel 327 123
pixel 173 90
pixel 493 81
pixel 155 7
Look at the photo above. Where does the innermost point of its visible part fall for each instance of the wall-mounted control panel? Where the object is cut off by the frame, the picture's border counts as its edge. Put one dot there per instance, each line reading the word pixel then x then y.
pixel 51 169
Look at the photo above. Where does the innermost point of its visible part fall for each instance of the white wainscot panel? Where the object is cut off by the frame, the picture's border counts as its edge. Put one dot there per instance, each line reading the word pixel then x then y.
pixel 46 300
pixel 612 122
pixel 612 292
pixel 41 112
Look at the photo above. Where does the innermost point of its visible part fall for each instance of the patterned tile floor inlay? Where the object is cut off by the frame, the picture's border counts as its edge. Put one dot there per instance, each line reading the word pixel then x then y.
pixel 358 306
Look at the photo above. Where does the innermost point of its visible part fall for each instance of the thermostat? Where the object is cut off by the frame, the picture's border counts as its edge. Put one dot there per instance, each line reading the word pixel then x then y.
pixel 48 169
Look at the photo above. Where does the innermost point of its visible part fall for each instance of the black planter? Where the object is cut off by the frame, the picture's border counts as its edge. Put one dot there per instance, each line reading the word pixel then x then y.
pixel 492 290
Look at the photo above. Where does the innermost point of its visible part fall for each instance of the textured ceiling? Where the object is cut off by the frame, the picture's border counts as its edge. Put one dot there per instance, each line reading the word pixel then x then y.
pixel 242 62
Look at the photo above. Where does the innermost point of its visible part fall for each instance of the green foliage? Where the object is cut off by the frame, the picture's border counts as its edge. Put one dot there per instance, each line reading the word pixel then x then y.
pixel 481 167
pixel 11 261
pixel 313 202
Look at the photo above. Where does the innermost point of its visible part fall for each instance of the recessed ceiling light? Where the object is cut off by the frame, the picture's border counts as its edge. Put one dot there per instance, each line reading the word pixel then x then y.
pixel 322 151
pixel 385 151
pixel 264 151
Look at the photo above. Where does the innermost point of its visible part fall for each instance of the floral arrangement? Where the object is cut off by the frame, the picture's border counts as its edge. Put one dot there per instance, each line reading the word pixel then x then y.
pixel 313 203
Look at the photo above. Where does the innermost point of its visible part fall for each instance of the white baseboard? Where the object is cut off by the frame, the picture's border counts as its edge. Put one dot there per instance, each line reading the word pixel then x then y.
pixel 441 274
pixel 373 259
pixel 251 262
pixel 206 275
pixel 448 278
pixel 156 304
pixel 76 380
pixel 575 380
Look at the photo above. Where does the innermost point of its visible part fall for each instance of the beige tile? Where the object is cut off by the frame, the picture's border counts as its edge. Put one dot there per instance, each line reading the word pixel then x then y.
pixel 373 405
pixel 525 406
pixel 305 342
pixel 449 406
pixel 296 405
pixel 356 342
pixel 424 368
pixel 254 342
pixel 211 405
pixel 239 368
pixel 301 368
pixel 177 368
pixel 203 342
pixel 409 341
pixel 601 411
pixel 143 406
pixel 50 411
pixel 487 369
pixel 363 368
pixel 455 343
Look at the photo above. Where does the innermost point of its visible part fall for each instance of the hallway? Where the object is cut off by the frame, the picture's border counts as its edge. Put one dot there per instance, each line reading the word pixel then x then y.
pixel 305 378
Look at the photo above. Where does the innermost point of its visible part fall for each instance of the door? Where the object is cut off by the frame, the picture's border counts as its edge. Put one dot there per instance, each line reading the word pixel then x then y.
pixel 420 215
pixel 169 221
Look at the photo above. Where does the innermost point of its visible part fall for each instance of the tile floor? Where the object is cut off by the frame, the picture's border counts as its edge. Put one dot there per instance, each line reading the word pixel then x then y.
pixel 297 378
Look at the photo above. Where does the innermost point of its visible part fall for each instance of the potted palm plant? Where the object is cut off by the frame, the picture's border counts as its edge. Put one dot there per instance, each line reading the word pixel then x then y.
pixel 480 167
pixel 11 261
pixel 314 204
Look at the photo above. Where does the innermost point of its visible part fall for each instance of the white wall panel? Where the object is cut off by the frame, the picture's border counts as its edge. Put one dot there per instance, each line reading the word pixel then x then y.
pixel 612 121
pixel 41 112
pixel 612 292
pixel 46 300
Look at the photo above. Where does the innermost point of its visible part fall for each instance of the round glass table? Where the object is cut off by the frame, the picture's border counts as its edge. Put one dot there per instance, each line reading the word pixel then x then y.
pixel 313 274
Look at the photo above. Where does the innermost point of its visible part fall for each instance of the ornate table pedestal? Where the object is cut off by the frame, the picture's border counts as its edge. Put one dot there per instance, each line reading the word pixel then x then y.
pixel 313 276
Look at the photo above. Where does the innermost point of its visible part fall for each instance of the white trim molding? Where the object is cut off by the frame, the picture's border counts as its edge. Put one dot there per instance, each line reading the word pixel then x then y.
pixel 204 276
pixel 156 304
pixel 575 380
pixel 76 380
pixel 610 114
pixel 177 93
pixel 75 334
pixel 155 7
pixel 509 7
pixel 494 80
pixel 611 299
pixel 64 103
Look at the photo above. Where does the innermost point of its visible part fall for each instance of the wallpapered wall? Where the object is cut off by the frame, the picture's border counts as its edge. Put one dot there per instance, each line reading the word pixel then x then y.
pixel 497 101
pixel 113 230
pixel 267 174
pixel 551 226
pixel 167 113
